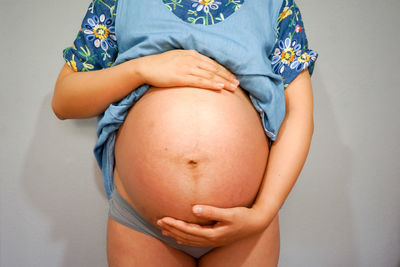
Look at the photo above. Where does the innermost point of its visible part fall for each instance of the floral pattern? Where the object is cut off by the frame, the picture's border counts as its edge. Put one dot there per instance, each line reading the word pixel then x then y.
pixel 291 54
pixel 101 32
pixel 95 46
pixel 206 12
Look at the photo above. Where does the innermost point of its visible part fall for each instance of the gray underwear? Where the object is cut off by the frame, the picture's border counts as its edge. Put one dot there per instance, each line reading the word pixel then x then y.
pixel 121 211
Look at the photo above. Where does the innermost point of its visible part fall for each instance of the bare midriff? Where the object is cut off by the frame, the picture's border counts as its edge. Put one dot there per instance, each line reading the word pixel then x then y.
pixel 182 146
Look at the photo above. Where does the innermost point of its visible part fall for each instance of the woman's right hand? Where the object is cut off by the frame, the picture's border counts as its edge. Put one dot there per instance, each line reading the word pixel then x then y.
pixel 185 68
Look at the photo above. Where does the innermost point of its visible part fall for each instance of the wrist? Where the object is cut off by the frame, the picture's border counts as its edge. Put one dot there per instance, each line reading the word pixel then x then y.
pixel 137 70
pixel 266 213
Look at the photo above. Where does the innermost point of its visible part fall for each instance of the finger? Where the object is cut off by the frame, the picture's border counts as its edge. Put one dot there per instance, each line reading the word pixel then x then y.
pixel 197 81
pixel 214 213
pixel 206 231
pixel 189 242
pixel 179 235
pixel 211 76
pixel 218 70
pixel 212 64
pixel 199 242
pixel 208 63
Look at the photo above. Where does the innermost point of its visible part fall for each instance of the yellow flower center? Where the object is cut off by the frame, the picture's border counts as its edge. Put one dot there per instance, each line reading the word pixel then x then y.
pixel 305 57
pixel 100 31
pixel 206 2
pixel 287 55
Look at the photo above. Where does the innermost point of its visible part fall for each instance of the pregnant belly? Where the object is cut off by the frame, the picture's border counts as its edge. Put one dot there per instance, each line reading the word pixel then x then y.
pixel 183 146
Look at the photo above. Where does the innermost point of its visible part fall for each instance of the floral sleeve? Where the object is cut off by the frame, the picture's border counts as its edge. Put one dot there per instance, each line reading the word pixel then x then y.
pixel 291 54
pixel 95 46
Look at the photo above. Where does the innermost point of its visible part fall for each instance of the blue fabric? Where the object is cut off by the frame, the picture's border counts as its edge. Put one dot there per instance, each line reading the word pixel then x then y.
pixel 291 54
pixel 262 42
pixel 95 46
pixel 200 12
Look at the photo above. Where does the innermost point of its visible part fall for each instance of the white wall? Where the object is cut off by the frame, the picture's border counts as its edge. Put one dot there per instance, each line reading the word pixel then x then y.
pixel 343 211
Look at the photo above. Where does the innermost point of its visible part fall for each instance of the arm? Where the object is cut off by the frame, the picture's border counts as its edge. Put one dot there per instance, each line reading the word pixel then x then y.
pixel 286 159
pixel 294 61
pixel 87 94
pixel 87 85
pixel 289 151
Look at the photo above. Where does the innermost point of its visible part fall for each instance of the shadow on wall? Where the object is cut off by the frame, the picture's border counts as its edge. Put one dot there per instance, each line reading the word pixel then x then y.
pixel 318 227
pixel 62 181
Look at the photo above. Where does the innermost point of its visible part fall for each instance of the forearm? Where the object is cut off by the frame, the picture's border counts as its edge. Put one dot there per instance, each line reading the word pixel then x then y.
pixel 87 94
pixel 289 151
pixel 285 162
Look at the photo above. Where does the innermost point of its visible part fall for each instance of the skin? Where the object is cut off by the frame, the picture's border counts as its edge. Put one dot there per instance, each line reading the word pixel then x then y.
pixel 286 159
pixel 254 244
pixel 249 236
pixel 167 129
pixel 87 94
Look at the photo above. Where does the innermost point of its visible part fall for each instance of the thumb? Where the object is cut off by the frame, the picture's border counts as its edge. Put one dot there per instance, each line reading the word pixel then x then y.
pixel 213 213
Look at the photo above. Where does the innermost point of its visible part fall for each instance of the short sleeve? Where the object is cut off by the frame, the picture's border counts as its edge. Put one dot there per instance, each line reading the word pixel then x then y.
pixel 95 46
pixel 291 54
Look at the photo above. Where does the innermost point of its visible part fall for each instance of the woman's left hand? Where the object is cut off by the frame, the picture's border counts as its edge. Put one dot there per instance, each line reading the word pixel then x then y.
pixel 232 224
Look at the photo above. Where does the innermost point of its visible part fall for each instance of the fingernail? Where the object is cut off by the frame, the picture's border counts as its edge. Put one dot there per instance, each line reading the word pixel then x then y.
pixel 197 209
pixel 236 82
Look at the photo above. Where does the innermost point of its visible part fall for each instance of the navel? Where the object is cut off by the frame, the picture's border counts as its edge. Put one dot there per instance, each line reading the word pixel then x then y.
pixel 192 163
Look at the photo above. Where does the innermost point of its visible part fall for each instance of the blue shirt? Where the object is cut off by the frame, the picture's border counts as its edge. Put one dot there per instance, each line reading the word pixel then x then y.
pixel 262 42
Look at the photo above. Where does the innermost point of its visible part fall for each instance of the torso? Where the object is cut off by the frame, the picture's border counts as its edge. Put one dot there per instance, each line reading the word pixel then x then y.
pixel 183 146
